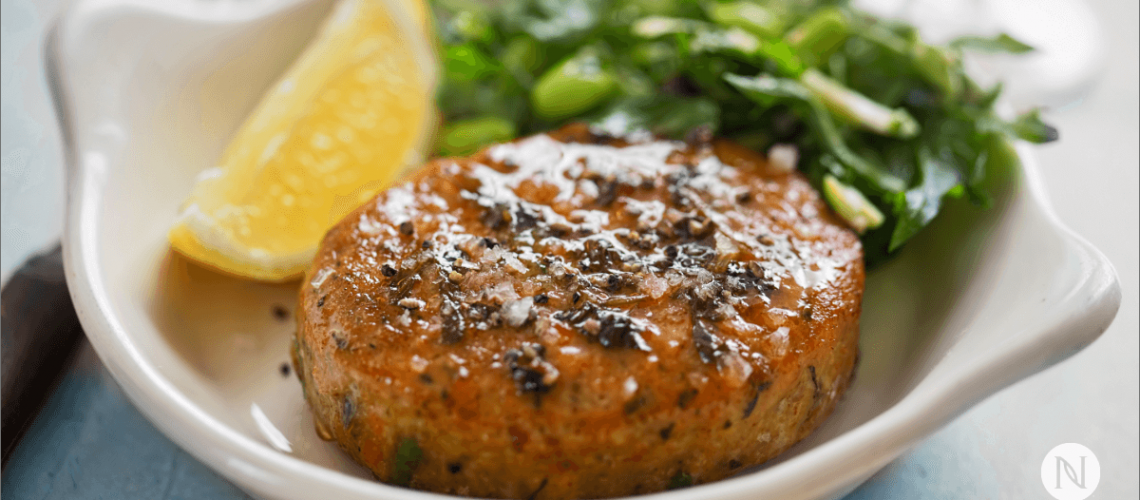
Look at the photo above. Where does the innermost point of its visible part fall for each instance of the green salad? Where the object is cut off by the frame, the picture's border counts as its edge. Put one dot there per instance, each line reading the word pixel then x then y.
pixel 885 125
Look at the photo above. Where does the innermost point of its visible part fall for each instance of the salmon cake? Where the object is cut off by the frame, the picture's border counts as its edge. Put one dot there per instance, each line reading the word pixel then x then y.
pixel 576 315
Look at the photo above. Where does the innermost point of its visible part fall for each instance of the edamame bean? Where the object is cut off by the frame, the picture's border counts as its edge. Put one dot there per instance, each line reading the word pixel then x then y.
pixel 572 87
pixel 464 137
pixel 465 63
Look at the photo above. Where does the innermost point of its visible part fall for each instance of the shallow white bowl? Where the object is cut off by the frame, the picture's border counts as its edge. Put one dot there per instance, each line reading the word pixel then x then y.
pixel 148 92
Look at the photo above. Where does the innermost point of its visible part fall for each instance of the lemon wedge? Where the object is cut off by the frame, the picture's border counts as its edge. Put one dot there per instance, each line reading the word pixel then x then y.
pixel 351 113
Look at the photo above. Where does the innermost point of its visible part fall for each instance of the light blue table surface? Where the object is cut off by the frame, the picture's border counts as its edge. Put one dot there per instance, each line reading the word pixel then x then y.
pixel 90 442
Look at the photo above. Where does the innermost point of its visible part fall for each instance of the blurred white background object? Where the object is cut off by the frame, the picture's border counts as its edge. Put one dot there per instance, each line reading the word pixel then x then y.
pixel 1070 49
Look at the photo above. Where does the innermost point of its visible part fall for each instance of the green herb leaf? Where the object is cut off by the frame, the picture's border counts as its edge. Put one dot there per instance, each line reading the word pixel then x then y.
pixel 408 455
pixel 999 43
pixel 1027 127
pixel 917 206
pixel 679 480
pixel 940 67
pixel 732 40
pixel 767 90
pixel 760 20
pixel 781 54
pixel 662 115
pixel 819 34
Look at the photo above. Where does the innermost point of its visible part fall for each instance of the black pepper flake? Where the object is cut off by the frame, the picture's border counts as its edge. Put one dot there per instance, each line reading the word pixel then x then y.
pixel 748 277
pixel 489 243
pixel 454 467
pixel 425 378
pixel 686 397
pixel 524 218
pixel 617 330
pixel 757 389
pixel 451 320
pixel 709 345
pixel 607 190
pixel 611 328
pixel 285 369
pixel 806 315
pixel 817 391
pixel 666 432
pixel 613 282
pixel 677 188
pixel 727 424
pixel 497 215
pixel 402 285
pixel 541 298
pixel 734 464
pixel 348 410
pixel 602 254
pixel 280 313
pixel 387 271
pixel 597 137
pixel 321 301
pixel 634 404
pixel 341 342
pixel 692 255
pixel 534 494
pixel 480 313
pixel 694 228
pixel 426 244
pixel 528 370
pixel 407 228
pixel 576 297
pixel 559 229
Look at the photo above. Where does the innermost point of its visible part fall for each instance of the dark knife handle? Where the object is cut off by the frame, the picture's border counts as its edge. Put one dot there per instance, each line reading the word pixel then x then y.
pixel 40 331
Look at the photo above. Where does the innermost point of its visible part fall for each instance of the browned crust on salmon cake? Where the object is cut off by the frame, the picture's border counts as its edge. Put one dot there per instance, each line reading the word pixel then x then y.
pixel 579 316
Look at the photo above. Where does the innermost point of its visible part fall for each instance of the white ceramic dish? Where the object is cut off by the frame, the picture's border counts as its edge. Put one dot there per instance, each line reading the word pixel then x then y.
pixel 147 93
